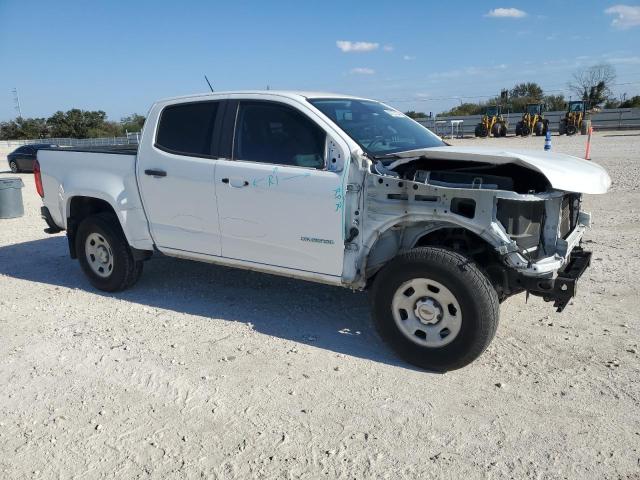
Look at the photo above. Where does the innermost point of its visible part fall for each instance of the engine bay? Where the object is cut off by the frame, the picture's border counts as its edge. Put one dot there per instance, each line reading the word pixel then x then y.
pixel 473 175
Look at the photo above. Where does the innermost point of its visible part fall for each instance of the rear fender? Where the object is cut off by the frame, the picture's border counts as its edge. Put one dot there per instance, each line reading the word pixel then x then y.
pixel 121 193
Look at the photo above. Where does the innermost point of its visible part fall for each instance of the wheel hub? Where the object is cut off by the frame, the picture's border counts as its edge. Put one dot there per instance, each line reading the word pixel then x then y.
pixel 103 254
pixel 99 255
pixel 428 311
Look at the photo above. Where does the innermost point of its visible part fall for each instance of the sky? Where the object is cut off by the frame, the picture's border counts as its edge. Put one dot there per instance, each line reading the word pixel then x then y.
pixel 121 56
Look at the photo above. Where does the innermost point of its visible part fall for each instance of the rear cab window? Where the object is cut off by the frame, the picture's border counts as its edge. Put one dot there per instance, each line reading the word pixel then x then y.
pixel 187 128
pixel 274 133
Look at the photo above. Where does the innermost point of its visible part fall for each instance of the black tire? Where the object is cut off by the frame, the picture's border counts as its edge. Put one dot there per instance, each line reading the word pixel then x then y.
pixel 539 129
pixel 14 167
pixel 572 129
pixel 495 130
pixel 503 130
pixel 125 271
pixel 526 131
pixel 562 128
pixel 478 301
pixel 481 131
pixel 519 129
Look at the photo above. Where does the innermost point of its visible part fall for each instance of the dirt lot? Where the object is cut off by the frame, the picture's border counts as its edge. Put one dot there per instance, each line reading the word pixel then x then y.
pixel 208 372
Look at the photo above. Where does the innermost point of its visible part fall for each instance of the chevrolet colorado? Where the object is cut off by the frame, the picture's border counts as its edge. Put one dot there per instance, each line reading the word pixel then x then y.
pixel 333 189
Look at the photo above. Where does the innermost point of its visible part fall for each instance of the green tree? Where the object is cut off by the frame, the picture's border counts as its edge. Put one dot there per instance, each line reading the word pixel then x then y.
pixel 76 123
pixel 135 122
pixel 23 128
pixel 414 114
pixel 465 109
pixel 529 90
pixel 596 94
pixel 555 102
pixel 633 102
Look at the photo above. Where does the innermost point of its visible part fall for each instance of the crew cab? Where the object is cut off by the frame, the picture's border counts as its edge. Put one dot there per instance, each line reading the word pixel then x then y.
pixel 332 189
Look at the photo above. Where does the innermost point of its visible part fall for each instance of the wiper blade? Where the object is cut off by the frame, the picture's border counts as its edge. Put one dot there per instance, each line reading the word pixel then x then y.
pixel 386 156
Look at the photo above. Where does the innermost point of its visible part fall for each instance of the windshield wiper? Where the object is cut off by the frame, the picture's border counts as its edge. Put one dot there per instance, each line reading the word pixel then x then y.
pixel 385 156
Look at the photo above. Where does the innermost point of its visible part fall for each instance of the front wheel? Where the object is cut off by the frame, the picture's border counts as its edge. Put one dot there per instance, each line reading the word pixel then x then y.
pixel 14 167
pixel 539 129
pixel 104 253
pixel 435 308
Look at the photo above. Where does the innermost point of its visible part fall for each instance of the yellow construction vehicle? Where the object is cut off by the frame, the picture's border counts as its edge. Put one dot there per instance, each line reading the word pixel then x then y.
pixel 576 119
pixel 492 123
pixel 533 121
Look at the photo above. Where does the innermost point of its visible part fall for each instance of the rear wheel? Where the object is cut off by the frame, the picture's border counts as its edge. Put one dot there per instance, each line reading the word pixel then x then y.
pixel 539 129
pixel 526 131
pixel 435 308
pixel 519 129
pixel 572 129
pixel 104 254
pixel 14 167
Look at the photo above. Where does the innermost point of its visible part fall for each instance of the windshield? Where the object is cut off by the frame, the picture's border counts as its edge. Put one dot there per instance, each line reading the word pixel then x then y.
pixel 492 111
pixel 378 129
pixel 575 107
pixel 533 109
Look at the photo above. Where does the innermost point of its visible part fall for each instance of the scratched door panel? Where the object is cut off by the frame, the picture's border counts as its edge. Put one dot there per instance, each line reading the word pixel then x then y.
pixel 281 215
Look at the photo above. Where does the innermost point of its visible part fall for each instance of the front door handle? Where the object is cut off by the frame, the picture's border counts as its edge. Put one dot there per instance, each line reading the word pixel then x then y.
pixel 235 183
pixel 155 173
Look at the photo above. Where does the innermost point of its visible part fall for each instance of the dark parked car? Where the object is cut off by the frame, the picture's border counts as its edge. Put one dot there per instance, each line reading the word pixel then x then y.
pixel 22 158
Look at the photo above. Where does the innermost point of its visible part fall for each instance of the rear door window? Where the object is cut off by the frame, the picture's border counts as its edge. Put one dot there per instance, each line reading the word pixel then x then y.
pixel 187 128
pixel 270 132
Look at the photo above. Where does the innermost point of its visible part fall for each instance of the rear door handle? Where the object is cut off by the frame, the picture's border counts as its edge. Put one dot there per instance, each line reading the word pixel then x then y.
pixel 155 172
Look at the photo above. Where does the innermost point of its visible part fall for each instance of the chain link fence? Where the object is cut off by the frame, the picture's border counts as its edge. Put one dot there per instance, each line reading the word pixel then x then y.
pixel 129 139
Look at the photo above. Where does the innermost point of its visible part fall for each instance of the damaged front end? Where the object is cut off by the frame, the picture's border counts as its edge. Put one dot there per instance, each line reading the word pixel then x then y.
pixel 524 232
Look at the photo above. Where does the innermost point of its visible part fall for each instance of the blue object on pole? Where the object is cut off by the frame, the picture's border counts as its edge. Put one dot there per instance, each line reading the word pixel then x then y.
pixel 547 141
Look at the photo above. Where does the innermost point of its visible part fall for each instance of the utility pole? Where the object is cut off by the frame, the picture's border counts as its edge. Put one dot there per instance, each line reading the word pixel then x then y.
pixel 16 101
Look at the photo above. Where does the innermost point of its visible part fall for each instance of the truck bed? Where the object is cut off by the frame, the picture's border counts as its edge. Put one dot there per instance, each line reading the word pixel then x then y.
pixel 107 173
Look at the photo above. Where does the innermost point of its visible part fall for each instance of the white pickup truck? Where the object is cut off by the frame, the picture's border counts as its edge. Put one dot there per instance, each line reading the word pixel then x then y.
pixel 332 189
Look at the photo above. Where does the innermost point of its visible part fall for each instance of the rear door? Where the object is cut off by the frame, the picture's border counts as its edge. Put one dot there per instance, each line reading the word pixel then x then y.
pixel 176 177
pixel 278 203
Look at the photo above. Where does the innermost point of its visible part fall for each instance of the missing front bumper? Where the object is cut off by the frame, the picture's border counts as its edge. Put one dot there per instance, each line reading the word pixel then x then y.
pixel 563 287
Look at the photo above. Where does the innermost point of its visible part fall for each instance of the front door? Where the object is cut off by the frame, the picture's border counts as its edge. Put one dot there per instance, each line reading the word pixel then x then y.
pixel 176 178
pixel 278 204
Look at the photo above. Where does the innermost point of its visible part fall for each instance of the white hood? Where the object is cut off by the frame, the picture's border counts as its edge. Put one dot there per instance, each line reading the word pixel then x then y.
pixel 564 172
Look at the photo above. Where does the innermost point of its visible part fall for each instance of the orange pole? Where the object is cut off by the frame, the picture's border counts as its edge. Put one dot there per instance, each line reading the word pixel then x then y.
pixel 587 154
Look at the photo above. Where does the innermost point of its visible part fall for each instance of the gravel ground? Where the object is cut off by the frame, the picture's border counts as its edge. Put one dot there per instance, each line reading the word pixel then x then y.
pixel 207 372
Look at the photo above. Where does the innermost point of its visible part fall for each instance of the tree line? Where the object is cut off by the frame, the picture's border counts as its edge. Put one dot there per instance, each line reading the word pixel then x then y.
pixel 592 84
pixel 74 123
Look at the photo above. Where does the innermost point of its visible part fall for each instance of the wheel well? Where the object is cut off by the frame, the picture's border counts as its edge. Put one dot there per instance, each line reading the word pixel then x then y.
pixel 79 209
pixel 459 239
pixel 472 246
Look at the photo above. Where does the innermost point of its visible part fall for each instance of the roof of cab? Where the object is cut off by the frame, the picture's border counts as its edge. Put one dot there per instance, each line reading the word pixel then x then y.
pixel 294 94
